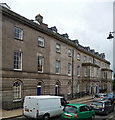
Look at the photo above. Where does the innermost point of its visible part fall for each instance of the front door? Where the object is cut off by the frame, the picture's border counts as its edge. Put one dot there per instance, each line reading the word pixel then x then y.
pixel 38 90
pixel 96 89
pixel 56 90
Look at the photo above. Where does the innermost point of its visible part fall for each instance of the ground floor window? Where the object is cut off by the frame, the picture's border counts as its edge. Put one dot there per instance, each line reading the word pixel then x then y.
pixel 77 90
pixel 16 90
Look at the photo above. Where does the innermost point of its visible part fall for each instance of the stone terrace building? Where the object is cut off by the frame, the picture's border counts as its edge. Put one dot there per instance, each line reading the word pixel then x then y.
pixel 37 60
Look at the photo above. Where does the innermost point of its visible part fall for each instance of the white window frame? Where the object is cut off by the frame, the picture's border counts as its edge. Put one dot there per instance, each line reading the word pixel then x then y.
pixel 58 48
pixel 57 67
pixel 69 52
pixel 40 64
pixel 69 69
pixel 40 41
pixel 17 60
pixel 18 33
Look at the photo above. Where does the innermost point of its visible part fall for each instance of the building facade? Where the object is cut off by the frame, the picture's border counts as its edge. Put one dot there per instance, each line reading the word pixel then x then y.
pixel 37 60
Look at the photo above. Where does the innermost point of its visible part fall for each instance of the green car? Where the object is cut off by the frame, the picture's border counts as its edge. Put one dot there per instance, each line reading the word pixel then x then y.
pixel 76 111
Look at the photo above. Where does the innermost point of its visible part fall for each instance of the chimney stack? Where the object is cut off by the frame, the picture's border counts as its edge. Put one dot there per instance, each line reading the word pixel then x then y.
pixel 39 18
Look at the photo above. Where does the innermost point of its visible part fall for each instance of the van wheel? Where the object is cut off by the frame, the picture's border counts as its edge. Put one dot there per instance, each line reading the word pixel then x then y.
pixel 46 117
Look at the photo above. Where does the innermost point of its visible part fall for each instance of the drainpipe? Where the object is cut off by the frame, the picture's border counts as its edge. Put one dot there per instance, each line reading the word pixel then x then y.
pixel 72 70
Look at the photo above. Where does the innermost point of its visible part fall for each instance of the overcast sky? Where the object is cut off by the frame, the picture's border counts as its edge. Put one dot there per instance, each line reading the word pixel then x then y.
pixel 90 22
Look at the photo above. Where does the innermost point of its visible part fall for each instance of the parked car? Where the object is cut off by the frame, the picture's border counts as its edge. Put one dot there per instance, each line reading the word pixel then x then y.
pixel 104 106
pixel 100 96
pixel 43 106
pixel 111 97
pixel 76 111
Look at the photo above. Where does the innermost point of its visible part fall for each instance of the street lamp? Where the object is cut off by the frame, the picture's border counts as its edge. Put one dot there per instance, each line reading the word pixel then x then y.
pixel 111 35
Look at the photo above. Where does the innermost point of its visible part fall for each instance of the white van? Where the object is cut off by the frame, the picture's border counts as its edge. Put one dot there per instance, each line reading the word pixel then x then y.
pixel 43 106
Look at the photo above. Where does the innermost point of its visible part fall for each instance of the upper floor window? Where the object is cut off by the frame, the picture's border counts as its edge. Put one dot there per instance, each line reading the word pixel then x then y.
pixel 85 59
pixel 57 67
pixel 78 56
pixel 86 72
pixel 102 65
pixel 69 69
pixel 40 41
pixel 40 63
pixel 97 72
pixel 18 33
pixel 104 75
pixel 94 61
pixel 69 52
pixel 58 48
pixel 92 72
pixel 78 71
pixel 17 60
pixel 16 90
pixel 90 60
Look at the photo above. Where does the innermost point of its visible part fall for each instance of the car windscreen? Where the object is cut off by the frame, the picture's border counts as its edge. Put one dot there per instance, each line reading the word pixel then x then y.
pixel 97 103
pixel 105 95
pixel 70 109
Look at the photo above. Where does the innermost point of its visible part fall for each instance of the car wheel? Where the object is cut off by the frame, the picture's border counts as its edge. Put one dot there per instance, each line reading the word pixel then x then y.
pixel 93 117
pixel 46 117
pixel 106 112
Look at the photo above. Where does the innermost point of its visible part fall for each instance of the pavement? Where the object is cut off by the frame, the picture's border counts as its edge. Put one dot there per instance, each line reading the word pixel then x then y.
pixel 8 114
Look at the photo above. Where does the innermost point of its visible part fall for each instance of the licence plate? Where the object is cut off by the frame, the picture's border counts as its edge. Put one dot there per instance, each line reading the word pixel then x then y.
pixel 26 109
pixel 96 107
pixel 68 116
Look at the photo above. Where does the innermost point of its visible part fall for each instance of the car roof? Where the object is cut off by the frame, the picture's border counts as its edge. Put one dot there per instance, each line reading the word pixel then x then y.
pixel 76 104
pixel 102 94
